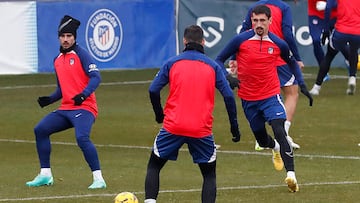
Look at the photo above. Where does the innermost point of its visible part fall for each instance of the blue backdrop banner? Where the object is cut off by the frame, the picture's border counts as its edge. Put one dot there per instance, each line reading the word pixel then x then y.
pixel 118 34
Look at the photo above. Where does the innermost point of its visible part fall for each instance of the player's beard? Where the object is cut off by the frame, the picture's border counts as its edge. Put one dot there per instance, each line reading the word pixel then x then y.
pixel 66 45
pixel 259 31
pixel 67 48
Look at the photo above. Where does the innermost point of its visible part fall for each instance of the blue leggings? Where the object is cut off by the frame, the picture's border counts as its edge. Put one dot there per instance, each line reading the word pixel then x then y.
pixel 61 120
pixel 347 43
pixel 316 26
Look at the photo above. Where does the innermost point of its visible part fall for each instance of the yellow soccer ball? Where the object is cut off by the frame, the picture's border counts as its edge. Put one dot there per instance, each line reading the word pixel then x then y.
pixel 126 197
pixel 358 65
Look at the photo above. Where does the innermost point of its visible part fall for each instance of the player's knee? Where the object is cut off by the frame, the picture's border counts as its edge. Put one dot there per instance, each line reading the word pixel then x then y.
pixel 41 130
pixel 155 162
pixel 208 170
pixel 83 141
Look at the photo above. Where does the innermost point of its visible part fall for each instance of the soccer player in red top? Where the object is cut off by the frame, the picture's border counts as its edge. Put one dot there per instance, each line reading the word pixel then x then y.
pixel 187 117
pixel 281 25
pixel 316 24
pixel 77 78
pixel 257 51
pixel 346 35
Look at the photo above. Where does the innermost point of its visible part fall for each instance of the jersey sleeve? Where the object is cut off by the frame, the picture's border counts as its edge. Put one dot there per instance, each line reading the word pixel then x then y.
pixel 90 69
pixel 160 80
pixel 288 34
pixel 223 86
pixel 229 50
pixel 247 25
pixel 56 95
pixel 330 4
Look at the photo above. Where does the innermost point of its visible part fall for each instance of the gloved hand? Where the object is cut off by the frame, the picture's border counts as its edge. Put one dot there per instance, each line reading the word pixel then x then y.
pixel 325 35
pixel 305 91
pixel 44 101
pixel 159 116
pixel 79 99
pixel 235 133
pixel 234 82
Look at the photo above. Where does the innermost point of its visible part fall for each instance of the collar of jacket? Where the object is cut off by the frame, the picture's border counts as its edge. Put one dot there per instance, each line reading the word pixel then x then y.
pixel 194 46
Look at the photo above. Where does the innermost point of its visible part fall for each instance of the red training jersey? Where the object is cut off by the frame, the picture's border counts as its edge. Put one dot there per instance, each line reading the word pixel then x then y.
pixel 190 103
pixel 73 80
pixel 348 19
pixel 257 68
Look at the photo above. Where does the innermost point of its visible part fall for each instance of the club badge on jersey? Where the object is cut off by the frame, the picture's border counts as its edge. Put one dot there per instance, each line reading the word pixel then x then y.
pixel 270 50
pixel 72 61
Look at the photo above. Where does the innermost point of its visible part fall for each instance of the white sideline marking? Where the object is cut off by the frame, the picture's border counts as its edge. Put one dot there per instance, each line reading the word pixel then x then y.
pixel 218 151
pixel 54 85
pixel 305 75
pixel 177 191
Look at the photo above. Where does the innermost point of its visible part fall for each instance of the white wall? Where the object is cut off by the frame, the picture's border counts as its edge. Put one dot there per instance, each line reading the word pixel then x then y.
pixel 18 37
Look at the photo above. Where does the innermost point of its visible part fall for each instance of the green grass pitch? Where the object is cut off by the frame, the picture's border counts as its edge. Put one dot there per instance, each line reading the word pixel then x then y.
pixel 327 165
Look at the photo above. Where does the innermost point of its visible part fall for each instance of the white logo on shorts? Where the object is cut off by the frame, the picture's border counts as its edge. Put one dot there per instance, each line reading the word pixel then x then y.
pixel 279 113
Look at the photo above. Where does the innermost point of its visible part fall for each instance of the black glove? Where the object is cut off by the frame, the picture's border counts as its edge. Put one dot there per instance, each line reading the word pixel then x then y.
pixel 159 116
pixel 156 104
pixel 235 133
pixel 325 35
pixel 234 82
pixel 44 101
pixel 305 91
pixel 79 99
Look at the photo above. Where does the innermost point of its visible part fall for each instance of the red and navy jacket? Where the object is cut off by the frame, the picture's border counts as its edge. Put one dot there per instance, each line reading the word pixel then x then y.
pixel 257 68
pixel 76 73
pixel 281 24
pixel 348 16
pixel 192 79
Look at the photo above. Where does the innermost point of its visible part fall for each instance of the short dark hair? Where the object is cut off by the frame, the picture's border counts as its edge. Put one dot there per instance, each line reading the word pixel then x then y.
pixel 262 9
pixel 194 33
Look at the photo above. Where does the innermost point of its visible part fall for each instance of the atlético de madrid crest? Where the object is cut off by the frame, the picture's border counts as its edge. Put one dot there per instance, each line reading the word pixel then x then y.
pixel 104 35
pixel 72 61
pixel 270 50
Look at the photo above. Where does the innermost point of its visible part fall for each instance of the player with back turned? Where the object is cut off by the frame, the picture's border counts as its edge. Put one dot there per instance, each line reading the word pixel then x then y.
pixel 187 117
